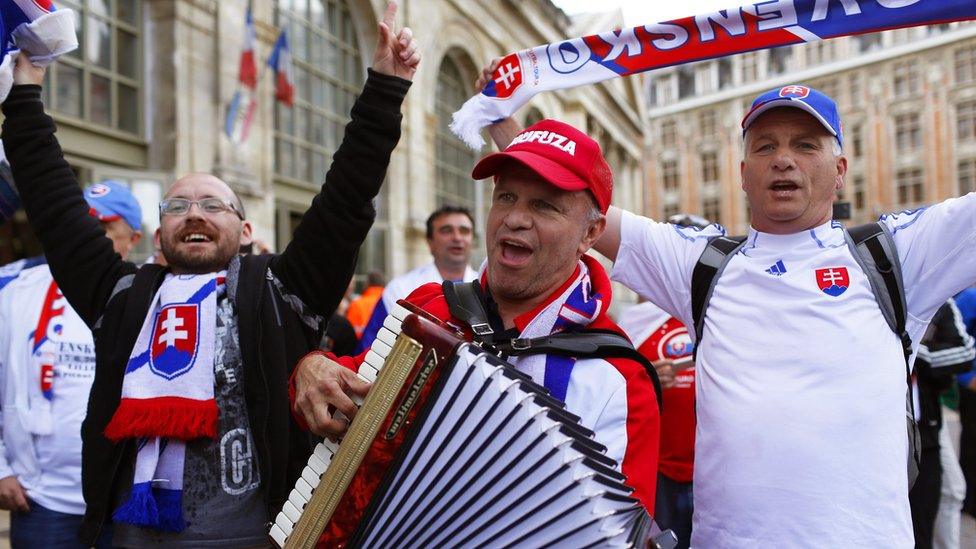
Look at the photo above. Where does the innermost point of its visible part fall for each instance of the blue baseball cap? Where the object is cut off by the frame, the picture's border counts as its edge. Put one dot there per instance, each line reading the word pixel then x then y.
pixel 815 103
pixel 111 200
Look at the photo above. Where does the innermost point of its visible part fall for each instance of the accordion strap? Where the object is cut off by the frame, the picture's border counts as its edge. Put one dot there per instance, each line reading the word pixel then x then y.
pixel 465 301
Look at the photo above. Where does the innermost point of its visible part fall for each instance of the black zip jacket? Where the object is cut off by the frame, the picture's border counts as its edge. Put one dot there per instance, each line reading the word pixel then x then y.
pixel 946 350
pixel 315 267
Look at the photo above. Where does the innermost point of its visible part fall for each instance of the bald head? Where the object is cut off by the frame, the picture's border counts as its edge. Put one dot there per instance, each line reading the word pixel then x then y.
pixel 208 183
pixel 199 241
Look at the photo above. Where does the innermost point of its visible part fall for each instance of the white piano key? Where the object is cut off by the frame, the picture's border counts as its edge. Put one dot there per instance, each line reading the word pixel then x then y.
pixel 310 476
pixel 324 453
pixel 330 445
pixel 297 500
pixel 399 312
pixel 393 324
pixel 386 336
pixel 305 489
pixel 368 372
pixel 375 360
pixel 381 348
pixel 277 535
pixel 358 400
pixel 285 524
pixel 289 510
pixel 317 465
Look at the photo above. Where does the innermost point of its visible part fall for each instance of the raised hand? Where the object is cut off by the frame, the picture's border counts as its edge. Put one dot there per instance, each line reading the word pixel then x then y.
pixel 397 53
pixel 26 72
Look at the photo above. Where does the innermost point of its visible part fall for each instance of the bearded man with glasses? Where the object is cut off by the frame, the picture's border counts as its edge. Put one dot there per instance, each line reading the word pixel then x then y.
pixel 189 439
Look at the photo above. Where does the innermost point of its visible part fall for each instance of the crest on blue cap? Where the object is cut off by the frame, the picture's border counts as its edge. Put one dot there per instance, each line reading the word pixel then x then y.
pixel 110 200
pixel 814 102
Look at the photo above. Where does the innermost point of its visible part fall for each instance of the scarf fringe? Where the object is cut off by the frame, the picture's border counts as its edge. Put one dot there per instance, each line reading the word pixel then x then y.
pixel 167 417
pixel 155 508
pixel 140 509
pixel 170 505
pixel 468 121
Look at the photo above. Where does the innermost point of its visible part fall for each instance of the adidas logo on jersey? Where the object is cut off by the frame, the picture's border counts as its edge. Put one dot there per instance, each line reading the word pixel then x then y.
pixel 779 269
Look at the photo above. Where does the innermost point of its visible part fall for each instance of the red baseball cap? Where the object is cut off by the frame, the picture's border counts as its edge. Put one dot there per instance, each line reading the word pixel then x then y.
pixel 558 153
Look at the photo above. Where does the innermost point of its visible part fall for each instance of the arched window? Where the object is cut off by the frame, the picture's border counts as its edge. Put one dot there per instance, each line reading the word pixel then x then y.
pixel 328 73
pixel 100 82
pixel 453 158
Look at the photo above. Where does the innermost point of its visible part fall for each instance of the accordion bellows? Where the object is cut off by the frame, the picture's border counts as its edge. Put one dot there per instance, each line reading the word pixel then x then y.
pixel 453 447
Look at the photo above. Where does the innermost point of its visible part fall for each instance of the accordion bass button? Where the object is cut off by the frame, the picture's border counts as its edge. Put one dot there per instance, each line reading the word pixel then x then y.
pixel 277 535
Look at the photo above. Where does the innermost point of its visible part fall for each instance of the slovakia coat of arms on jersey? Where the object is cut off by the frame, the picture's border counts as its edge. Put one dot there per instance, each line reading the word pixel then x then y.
pixel 174 340
pixel 833 281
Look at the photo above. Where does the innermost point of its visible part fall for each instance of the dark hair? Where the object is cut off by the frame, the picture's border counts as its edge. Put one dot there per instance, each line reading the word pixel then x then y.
pixel 446 209
pixel 375 278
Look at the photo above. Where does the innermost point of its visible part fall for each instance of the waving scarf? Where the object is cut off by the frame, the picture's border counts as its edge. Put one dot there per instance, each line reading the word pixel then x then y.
pixel 599 57
pixel 38 29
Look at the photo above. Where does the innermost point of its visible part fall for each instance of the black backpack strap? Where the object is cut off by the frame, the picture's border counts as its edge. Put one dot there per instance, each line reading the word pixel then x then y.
pixel 587 344
pixel 874 249
pixel 466 303
pixel 711 263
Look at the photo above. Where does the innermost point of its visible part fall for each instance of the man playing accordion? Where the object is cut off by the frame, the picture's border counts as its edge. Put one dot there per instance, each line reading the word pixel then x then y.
pixel 552 188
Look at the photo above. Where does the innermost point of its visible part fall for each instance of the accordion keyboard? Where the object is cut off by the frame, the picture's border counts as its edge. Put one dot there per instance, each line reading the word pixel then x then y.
pixel 325 450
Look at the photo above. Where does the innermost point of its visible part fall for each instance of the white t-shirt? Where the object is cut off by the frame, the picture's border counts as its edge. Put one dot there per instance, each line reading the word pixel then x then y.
pixel 49 466
pixel 801 438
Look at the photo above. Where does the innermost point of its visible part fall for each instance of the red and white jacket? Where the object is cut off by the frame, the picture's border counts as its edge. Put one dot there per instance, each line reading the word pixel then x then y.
pixel 660 336
pixel 613 397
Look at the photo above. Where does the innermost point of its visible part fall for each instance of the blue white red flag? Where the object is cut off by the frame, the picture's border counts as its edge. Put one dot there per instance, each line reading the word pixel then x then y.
pixel 599 57
pixel 248 73
pixel 240 111
pixel 280 63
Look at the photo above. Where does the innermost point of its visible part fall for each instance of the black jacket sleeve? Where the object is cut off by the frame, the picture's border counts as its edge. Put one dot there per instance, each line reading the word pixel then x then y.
pixel 79 253
pixel 318 263
pixel 947 348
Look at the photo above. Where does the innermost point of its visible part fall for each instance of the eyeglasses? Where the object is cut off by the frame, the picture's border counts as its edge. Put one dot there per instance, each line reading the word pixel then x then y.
pixel 181 206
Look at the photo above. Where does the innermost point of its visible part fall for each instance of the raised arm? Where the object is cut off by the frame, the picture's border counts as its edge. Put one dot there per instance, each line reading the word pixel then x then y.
pixel 81 257
pixel 320 260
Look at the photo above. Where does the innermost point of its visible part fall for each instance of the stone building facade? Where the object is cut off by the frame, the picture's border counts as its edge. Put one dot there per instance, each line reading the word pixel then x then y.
pixel 144 101
pixel 907 99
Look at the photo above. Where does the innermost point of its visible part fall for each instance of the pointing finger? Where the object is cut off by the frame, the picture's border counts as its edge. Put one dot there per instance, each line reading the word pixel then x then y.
pixel 390 14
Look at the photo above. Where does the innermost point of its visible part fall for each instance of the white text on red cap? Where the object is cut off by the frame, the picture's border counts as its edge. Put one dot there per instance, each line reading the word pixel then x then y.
pixel 554 139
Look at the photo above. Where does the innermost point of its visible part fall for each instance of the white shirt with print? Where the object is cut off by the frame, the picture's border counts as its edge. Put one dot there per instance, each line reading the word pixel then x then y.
pixel 801 438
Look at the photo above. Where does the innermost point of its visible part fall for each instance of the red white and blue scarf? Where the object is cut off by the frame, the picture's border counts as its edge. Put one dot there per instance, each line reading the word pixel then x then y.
pixel 168 396
pixel 573 309
pixel 599 57
pixel 37 28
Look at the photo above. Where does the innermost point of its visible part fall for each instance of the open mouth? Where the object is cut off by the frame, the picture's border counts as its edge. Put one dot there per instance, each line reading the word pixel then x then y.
pixel 194 238
pixel 784 186
pixel 514 252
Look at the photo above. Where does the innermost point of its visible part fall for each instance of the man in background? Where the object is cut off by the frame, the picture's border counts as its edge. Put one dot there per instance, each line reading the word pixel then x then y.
pixel 450 234
pixel 361 308
pixel 47 365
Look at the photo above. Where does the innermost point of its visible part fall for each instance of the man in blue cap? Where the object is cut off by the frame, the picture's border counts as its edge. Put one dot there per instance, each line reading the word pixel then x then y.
pixel 801 398
pixel 47 365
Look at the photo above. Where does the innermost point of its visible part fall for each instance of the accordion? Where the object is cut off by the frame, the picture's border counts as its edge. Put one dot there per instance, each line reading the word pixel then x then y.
pixel 454 447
